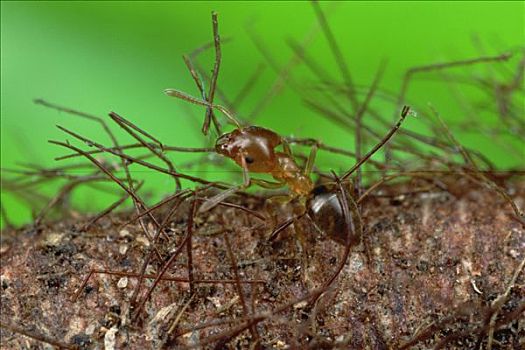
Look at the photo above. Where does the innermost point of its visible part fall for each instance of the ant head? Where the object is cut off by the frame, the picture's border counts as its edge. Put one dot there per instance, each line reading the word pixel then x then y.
pixel 251 146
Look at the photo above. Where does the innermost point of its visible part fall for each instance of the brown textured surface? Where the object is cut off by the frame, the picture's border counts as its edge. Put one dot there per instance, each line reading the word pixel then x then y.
pixel 429 252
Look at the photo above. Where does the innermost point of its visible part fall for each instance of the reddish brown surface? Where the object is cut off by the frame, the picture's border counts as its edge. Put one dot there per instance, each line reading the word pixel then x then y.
pixel 428 254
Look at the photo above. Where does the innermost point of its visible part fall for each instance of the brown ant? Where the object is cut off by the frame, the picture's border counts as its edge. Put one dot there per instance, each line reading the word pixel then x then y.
pixel 253 148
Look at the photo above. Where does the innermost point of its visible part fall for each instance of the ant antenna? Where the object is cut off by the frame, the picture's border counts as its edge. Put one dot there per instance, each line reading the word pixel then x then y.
pixel 194 100
pixel 208 100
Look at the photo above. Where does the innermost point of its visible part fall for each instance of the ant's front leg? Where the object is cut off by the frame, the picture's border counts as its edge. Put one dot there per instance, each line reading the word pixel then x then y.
pixel 247 182
pixel 213 201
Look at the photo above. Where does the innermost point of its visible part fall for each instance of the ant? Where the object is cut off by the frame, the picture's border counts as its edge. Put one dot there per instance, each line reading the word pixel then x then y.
pixel 254 149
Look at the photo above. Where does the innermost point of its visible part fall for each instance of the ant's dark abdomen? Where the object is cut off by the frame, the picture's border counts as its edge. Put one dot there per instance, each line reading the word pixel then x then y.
pixel 326 212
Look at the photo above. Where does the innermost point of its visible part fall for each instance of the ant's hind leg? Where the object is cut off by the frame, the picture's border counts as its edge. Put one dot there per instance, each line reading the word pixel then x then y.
pixel 310 162
pixel 302 243
pixel 311 157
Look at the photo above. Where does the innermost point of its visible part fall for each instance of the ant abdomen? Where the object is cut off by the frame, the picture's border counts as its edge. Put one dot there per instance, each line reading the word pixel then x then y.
pixel 326 212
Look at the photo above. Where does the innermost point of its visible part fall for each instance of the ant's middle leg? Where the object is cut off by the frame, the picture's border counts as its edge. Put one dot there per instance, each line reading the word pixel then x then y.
pixel 300 232
pixel 247 182
pixel 311 160
pixel 213 201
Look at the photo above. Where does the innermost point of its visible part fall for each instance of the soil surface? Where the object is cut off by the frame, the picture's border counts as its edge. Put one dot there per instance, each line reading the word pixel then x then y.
pixel 434 270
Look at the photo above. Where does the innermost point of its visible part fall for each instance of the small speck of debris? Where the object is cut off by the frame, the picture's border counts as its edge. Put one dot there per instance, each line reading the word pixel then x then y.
pixel 514 253
pixel 228 305
pixel 163 314
pixel 3 282
pixel 143 240
pixel 4 248
pixel 110 338
pixel 122 283
pixel 122 249
pixel 215 301
pixel 115 309
pixel 90 329
pixel 124 233
pixel 300 305
pixel 476 289
pixel 53 239
pixel 422 266
pixel 81 340
pixel 281 345
pixel 356 263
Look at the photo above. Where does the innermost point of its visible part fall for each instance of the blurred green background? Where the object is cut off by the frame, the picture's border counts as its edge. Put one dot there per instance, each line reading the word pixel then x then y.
pixel 119 56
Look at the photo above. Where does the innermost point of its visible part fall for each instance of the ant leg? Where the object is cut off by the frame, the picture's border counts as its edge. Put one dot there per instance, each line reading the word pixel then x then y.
pixel 286 148
pixel 213 201
pixel 301 238
pixel 267 184
pixel 311 157
pixel 247 182
pixel 303 252
pixel 311 160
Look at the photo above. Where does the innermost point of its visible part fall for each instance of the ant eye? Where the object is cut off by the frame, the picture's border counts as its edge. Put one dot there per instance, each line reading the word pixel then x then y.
pixel 249 159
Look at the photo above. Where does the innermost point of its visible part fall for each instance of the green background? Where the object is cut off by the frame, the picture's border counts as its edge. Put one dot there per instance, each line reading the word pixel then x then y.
pixel 119 56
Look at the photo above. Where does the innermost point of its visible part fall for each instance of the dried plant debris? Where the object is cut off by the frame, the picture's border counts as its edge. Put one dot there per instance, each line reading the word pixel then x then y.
pixel 425 249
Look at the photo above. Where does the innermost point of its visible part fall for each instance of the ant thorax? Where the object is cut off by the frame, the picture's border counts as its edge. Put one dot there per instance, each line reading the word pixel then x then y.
pixel 288 171
pixel 253 147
